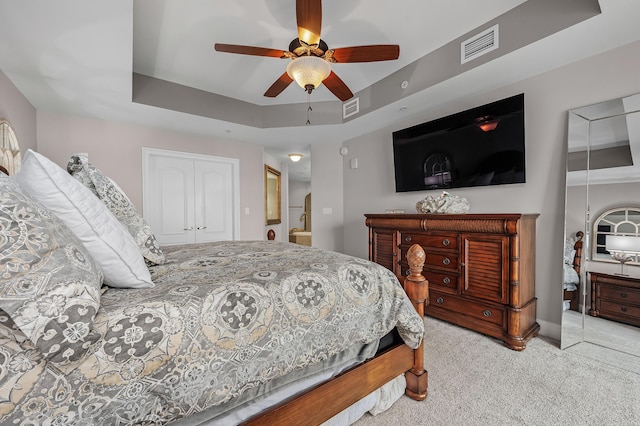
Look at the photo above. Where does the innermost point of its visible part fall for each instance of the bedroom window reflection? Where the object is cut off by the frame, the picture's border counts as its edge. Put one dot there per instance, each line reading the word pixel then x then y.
pixel 615 222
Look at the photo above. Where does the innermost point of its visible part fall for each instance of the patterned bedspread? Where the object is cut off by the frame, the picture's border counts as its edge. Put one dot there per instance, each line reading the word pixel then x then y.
pixel 223 319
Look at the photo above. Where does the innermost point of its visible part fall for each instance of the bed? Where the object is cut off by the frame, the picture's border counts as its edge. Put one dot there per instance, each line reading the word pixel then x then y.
pixel 572 262
pixel 101 325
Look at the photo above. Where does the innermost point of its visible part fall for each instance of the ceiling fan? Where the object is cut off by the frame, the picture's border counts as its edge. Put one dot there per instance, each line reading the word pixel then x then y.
pixel 311 57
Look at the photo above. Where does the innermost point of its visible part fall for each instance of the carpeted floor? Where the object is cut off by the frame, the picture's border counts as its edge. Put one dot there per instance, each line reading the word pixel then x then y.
pixel 599 337
pixel 476 380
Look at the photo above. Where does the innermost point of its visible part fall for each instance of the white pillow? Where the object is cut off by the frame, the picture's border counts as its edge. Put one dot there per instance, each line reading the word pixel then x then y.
pixel 106 239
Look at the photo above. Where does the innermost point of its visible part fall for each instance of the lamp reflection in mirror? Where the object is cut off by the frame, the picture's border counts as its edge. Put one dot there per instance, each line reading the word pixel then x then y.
pixel 622 248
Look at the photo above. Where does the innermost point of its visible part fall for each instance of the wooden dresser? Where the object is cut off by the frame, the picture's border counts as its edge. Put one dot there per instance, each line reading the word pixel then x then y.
pixel 480 267
pixel 615 297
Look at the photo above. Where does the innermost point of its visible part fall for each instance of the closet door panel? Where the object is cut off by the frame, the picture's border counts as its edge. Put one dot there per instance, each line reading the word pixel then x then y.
pixel 214 209
pixel 171 186
pixel 190 198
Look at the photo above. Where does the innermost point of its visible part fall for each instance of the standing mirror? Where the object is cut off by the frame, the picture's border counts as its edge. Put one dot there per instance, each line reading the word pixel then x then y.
pixel 272 195
pixel 602 202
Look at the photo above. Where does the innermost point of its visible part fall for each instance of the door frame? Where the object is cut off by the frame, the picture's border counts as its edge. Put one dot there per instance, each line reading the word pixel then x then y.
pixel 233 162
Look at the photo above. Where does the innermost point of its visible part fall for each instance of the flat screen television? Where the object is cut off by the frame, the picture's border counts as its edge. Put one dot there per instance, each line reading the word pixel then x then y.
pixel 478 147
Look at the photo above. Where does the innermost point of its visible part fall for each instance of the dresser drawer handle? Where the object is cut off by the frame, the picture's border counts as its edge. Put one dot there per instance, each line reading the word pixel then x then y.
pixel 440 300
pixel 446 261
pixel 623 309
pixel 623 294
pixel 446 242
pixel 446 280
pixel 408 272
pixel 407 239
pixel 487 313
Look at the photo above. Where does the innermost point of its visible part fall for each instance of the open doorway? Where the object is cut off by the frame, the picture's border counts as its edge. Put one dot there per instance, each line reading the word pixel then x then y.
pixel 300 223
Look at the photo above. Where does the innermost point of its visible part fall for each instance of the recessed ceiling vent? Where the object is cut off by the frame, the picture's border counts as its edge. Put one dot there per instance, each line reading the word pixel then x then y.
pixel 479 44
pixel 351 107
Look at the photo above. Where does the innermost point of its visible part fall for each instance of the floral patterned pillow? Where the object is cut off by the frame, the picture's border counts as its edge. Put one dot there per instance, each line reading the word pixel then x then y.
pixel 49 285
pixel 118 203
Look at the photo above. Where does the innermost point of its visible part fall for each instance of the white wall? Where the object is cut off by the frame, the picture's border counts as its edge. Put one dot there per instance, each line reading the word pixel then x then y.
pixel 548 97
pixel 116 149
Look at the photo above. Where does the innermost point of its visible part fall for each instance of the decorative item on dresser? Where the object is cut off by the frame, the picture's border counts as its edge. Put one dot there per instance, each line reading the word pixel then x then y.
pixel 480 267
pixel 615 297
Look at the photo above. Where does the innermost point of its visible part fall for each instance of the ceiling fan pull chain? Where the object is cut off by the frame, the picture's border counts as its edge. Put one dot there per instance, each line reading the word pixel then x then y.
pixel 309 109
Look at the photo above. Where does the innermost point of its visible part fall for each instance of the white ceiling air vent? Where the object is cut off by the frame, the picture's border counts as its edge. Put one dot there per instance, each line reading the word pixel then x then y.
pixel 479 44
pixel 350 108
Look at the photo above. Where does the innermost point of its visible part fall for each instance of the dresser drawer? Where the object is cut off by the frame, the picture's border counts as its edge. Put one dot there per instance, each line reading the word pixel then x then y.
pixel 619 294
pixel 441 280
pixel 626 313
pixel 431 240
pixel 442 260
pixel 492 314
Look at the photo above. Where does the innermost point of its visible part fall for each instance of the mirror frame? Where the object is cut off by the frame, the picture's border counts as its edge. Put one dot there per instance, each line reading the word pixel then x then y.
pixel 272 196
pixel 584 172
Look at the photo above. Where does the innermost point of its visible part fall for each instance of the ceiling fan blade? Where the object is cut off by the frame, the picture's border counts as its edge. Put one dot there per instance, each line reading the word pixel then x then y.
pixel 373 53
pixel 280 84
pixel 249 50
pixel 337 87
pixel 309 19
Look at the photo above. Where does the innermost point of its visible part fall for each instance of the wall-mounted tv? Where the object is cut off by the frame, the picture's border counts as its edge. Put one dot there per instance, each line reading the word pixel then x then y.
pixel 478 147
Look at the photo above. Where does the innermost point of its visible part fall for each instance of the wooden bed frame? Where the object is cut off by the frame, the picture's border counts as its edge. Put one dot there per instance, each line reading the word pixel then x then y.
pixel 574 296
pixel 331 397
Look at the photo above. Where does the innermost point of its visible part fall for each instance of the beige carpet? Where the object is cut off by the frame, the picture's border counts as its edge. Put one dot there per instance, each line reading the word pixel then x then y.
pixel 599 337
pixel 476 380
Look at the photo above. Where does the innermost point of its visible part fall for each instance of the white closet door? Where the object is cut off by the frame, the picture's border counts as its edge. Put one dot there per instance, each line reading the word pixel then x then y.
pixel 170 211
pixel 214 210
pixel 190 198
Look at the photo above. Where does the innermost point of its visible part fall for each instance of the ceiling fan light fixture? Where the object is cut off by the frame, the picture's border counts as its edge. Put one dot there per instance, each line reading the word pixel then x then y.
pixel 295 157
pixel 308 71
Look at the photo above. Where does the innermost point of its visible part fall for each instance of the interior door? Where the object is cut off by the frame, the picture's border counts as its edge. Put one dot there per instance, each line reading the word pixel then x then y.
pixel 170 199
pixel 213 201
pixel 190 198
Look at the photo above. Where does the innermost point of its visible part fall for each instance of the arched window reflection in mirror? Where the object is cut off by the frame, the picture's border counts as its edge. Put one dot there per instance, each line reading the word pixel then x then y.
pixel 619 222
pixel 10 157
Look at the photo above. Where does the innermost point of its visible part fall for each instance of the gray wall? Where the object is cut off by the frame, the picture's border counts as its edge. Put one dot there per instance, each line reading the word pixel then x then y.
pixel 116 149
pixel 548 97
pixel 327 208
pixel 16 109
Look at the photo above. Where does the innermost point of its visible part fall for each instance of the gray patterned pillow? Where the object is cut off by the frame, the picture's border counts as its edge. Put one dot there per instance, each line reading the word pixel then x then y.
pixel 118 203
pixel 49 285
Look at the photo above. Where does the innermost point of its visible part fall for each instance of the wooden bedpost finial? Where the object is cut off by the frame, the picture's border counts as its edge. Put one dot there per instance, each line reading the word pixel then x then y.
pixel 416 259
pixel 417 288
pixel 271 235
